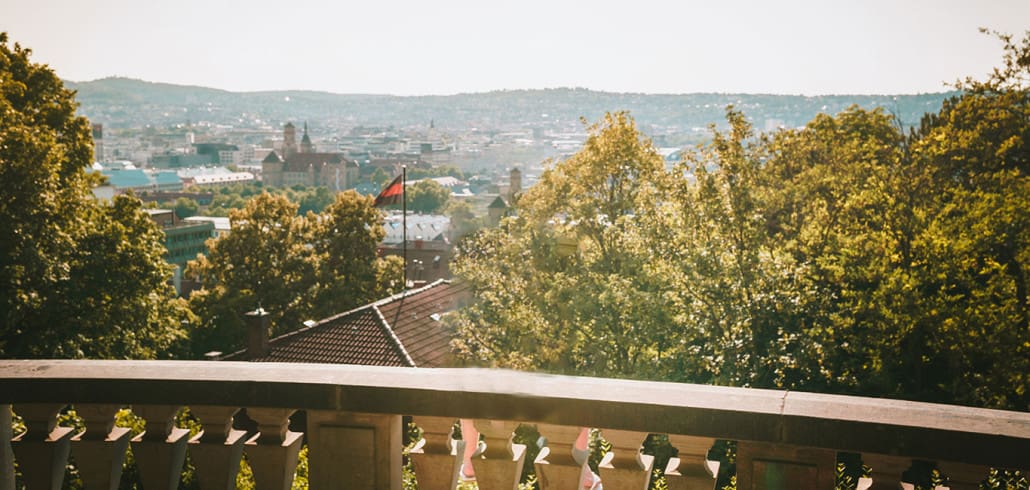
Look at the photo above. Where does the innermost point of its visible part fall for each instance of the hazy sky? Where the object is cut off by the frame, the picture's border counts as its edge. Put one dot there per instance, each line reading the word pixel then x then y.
pixel 413 47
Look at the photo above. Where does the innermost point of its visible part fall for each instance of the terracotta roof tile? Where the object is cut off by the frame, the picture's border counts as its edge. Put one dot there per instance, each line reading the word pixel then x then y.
pixel 402 330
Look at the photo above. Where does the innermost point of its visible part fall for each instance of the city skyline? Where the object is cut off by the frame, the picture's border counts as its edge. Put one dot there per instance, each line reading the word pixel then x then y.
pixel 459 46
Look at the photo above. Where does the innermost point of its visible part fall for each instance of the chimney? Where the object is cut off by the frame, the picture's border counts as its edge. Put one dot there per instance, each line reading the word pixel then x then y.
pixel 257 333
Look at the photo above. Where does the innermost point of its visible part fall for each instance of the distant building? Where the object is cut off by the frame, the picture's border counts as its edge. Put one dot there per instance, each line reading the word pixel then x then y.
pixel 430 245
pixel 301 165
pixel 222 224
pixel 98 142
pixel 183 239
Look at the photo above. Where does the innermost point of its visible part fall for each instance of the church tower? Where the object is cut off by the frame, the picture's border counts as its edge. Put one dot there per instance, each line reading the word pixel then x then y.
pixel 305 142
pixel 289 140
pixel 514 184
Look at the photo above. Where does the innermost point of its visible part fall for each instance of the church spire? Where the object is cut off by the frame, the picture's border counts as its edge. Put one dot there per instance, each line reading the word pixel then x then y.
pixel 305 142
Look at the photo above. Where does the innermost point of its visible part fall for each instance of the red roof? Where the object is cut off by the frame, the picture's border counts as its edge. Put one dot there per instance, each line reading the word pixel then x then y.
pixel 402 330
pixel 299 162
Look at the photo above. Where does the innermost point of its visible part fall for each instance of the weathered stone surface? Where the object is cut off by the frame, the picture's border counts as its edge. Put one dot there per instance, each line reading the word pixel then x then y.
pixel 847 423
pixel 436 458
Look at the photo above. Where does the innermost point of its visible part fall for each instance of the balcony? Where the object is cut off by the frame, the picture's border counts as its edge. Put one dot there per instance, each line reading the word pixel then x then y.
pixel 353 427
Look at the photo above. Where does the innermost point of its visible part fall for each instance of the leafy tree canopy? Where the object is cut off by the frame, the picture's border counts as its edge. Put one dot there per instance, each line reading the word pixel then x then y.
pixel 77 278
pixel 296 267
pixel 845 256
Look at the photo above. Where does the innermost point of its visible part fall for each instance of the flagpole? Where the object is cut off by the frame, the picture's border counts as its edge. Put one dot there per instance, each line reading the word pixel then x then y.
pixel 404 221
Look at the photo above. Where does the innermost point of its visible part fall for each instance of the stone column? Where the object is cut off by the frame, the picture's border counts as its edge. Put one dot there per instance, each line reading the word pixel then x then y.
pixel 437 457
pixel 6 454
pixel 626 467
pixel 42 451
pixel 765 465
pixel 691 468
pixel 354 450
pixel 216 452
pixel 100 451
pixel 885 470
pixel 272 452
pixel 558 466
pixel 501 465
pixel 160 451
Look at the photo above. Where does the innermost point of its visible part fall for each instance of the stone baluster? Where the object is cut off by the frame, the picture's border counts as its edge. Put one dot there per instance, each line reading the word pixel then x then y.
pixel 502 461
pixel 690 468
pixel 437 457
pixel 42 451
pixel 767 465
pixel 160 451
pixel 625 466
pixel 6 453
pixel 354 450
pixel 558 466
pixel 885 470
pixel 273 451
pixel 100 450
pixel 217 450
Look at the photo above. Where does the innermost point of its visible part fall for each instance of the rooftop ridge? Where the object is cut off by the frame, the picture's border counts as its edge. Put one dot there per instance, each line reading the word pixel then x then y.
pixel 393 337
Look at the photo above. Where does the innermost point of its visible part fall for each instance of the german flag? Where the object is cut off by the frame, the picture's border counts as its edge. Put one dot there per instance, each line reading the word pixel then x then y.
pixel 392 193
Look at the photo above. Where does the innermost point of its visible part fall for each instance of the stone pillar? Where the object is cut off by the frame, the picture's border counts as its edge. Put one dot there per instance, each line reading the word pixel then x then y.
pixel 437 457
pixel 42 451
pixel 691 468
pixel 626 467
pixel 216 452
pixel 885 470
pixel 558 466
pixel 100 451
pixel 272 452
pixel 501 465
pixel 160 451
pixel 775 466
pixel 6 454
pixel 354 450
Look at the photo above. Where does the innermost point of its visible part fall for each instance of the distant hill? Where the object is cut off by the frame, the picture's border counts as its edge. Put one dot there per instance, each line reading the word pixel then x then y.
pixel 122 102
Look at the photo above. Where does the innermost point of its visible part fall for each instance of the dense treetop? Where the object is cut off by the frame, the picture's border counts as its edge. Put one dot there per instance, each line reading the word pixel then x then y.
pixel 845 256
pixel 78 278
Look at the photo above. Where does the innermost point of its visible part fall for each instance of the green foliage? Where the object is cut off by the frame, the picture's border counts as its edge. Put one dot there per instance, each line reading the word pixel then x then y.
pixel 185 207
pixel 1005 480
pixel 569 284
pixel 842 257
pixel 296 267
pixel 77 278
pixel 427 196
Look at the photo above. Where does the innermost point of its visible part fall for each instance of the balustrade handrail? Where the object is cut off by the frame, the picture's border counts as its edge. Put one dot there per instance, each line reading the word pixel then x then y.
pixel 844 423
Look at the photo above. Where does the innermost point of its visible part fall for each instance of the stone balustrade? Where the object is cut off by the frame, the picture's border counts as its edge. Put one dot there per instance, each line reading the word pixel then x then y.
pixel 350 417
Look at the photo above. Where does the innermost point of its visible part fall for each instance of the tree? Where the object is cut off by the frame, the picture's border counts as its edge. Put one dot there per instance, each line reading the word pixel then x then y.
pixel 185 207
pixel 427 196
pixel 265 262
pixel 78 278
pixel 566 284
pixel 350 273
pixel 842 257
pixel 296 267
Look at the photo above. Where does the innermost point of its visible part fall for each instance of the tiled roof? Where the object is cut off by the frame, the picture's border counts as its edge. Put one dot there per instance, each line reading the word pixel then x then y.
pixel 416 320
pixel 402 330
pixel 355 337
pixel 272 157
pixel 299 162
pixel 498 203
